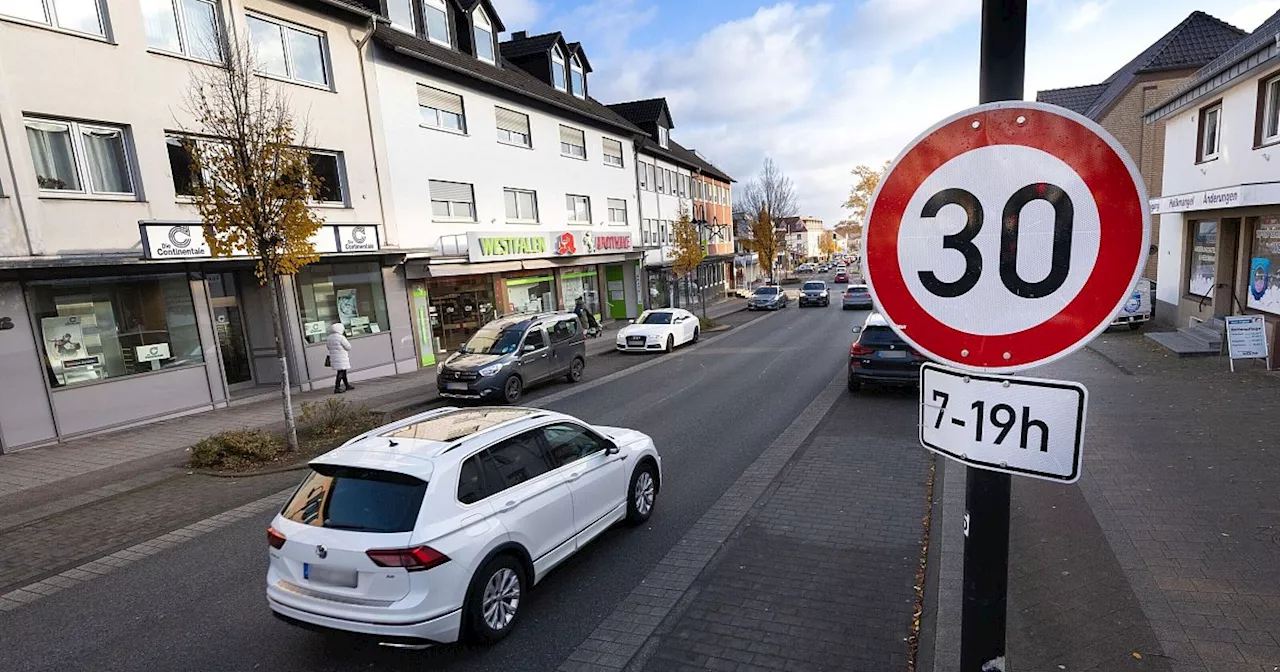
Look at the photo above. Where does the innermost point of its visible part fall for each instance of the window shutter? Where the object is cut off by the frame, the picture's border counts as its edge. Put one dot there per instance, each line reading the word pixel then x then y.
pixel 572 136
pixel 510 120
pixel 450 191
pixel 441 100
pixel 612 148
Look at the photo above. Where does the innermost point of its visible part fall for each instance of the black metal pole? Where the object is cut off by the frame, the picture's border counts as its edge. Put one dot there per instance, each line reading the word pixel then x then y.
pixel 986 546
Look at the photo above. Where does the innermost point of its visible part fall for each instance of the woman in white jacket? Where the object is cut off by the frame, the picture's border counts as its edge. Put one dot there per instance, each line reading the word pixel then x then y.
pixel 339 359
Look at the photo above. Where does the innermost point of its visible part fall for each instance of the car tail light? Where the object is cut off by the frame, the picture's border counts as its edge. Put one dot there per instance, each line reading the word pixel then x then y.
pixel 859 349
pixel 414 559
pixel 275 538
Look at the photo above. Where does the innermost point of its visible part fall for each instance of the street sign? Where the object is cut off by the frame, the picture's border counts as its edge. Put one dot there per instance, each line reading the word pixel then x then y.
pixel 1026 426
pixel 1247 338
pixel 1006 236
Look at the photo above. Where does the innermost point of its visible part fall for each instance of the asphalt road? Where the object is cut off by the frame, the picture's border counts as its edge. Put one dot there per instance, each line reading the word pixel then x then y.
pixel 200 606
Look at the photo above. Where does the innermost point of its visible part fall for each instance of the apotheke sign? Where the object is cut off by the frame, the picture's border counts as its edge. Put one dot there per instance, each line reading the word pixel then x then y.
pixel 501 245
pixel 186 241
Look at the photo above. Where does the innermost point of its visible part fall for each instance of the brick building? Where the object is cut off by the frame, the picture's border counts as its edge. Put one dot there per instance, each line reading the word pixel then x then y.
pixel 1119 102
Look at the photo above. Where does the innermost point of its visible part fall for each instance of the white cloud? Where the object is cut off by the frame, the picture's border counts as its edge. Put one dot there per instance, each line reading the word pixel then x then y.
pixel 1083 16
pixel 518 14
pixel 1250 16
pixel 898 25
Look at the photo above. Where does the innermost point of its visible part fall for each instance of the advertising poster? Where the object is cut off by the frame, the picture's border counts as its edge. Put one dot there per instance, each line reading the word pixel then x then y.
pixel 1204 258
pixel 347 310
pixel 1264 283
pixel 64 345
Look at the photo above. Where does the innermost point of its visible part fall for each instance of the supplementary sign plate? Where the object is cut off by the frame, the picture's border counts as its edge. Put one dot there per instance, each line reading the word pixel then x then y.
pixel 1025 426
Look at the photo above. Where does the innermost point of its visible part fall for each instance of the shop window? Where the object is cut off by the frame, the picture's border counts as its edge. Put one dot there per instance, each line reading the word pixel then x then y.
pixel 350 294
pixel 530 295
pixel 1264 265
pixel 1204 258
pixel 101 328
pixel 580 283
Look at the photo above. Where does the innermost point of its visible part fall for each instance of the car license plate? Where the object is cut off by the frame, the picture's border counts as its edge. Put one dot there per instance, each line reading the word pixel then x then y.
pixel 455 386
pixel 344 578
pixel 635 340
pixel 892 354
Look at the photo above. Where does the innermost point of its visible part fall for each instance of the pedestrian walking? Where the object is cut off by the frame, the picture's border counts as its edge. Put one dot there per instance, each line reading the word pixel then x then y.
pixel 339 358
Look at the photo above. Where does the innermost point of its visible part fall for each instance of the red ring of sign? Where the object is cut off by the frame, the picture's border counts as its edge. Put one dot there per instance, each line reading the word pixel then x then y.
pixel 1120 243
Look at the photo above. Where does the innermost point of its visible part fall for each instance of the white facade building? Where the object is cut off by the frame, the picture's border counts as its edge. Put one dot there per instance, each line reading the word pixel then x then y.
pixel 1220 207
pixel 111 310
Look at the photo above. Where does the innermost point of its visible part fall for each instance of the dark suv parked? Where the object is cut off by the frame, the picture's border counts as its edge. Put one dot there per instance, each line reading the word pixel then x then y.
pixel 511 353
pixel 879 355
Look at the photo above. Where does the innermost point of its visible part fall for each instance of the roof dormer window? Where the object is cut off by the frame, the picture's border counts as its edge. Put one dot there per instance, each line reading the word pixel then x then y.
pixel 437 20
pixel 483 36
pixel 401 14
pixel 579 78
pixel 557 69
pixel 663 141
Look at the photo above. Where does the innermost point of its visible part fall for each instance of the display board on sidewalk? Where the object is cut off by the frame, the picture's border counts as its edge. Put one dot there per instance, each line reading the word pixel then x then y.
pixel 1247 338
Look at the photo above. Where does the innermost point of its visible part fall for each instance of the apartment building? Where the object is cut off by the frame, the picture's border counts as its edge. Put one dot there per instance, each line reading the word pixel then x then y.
pixel 1119 102
pixel 1220 207
pixel 112 310
pixel 675 182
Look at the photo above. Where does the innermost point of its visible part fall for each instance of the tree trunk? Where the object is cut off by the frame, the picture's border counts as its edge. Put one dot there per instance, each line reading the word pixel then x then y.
pixel 286 393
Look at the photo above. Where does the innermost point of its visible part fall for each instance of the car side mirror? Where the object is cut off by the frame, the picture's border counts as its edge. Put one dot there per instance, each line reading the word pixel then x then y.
pixel 857 330
pixel 530 347
pixel 631 321
pixel 611 448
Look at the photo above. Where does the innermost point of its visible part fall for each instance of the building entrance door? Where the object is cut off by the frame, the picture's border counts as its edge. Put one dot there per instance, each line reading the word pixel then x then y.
pixel 228 325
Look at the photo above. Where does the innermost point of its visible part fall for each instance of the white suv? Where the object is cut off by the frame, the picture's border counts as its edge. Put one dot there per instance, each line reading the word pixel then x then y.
pixel 432 529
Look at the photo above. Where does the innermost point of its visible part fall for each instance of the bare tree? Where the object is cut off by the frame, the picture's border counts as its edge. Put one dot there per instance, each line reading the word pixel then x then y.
pixel 252 180
pixel 771 191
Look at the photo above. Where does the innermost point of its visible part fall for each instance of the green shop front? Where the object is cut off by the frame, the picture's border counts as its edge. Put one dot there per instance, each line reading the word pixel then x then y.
pixel 498 273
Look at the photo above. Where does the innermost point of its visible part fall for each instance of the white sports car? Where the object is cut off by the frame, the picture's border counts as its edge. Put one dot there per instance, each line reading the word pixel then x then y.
pixel 659 330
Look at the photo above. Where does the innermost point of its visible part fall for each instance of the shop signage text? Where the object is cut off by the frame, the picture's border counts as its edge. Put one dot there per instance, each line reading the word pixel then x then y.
pixel 186 241
pixel 1247 338
pixel 1230 197
pixel 492 246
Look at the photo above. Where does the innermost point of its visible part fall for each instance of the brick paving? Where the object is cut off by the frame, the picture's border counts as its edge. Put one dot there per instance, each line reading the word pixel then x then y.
pixel 1170 544
pixel 821 574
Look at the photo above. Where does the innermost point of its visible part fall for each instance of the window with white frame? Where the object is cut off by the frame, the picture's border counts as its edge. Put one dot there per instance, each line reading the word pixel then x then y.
pixel 577 209
pixel 326 173
pixel 617 211
pixel 436 14
pixel 663 140
pixel 513 127
pixel 612 152
pixel 671 182
pixel 288 51
pixel 522 205
pixel 80 157
pixel 401 14
pixel 662 180
pixel 573 142
pixel 452 201
pixel 81 16
pixel 557 69
pixel 1270 92
pixel 1210 128
pixel 483 36
pixel 578 78
pixel 649 177
pixel 188 27
pixel 441 109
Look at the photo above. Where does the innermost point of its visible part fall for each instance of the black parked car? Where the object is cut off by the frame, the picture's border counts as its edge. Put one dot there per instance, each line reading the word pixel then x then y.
pixel 880 356
pixel 768 298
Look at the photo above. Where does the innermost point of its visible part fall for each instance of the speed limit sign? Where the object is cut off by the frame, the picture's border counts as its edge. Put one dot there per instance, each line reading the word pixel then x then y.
pixel 1006 236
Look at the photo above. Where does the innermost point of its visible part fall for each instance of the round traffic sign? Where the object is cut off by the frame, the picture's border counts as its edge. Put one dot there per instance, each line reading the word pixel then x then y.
pixel 1006 236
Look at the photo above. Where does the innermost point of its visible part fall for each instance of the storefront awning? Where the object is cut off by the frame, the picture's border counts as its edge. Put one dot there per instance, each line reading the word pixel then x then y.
pixel 531 264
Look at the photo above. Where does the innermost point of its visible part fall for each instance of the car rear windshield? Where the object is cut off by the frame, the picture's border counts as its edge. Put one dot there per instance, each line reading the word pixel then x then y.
pixel 879 336
pixel 814 285
pixel 656 318
pixel 766 291
pixel 856 290
pixel 351 498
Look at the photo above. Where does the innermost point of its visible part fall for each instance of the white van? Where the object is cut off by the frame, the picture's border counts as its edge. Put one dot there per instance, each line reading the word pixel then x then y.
pixel 1138 308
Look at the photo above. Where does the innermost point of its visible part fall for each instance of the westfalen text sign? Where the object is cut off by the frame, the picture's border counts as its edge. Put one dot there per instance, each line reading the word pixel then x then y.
pixel 509 245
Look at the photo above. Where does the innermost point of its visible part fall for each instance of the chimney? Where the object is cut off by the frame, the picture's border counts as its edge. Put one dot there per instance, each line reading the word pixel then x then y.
pixel 519 35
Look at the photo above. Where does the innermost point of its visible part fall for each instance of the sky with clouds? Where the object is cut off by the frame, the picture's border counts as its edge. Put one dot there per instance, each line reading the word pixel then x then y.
pixel 823 86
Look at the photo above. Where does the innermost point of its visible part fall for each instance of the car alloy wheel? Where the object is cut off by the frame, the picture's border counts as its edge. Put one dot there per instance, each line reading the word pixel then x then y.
pixel 512 390
pixel 696 335
pixel 671 342
pixel 501 599
pixel 643 493
pixel 575 370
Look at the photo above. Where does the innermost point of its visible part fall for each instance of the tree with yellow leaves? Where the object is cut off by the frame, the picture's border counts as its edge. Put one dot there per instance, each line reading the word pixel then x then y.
pixel 687 250
pixel 252 180
pixel 766 240
pixel 827 244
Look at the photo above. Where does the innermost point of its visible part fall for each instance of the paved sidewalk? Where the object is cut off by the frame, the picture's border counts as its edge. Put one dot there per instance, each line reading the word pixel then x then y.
pixel 1166 554
pixel 25 470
